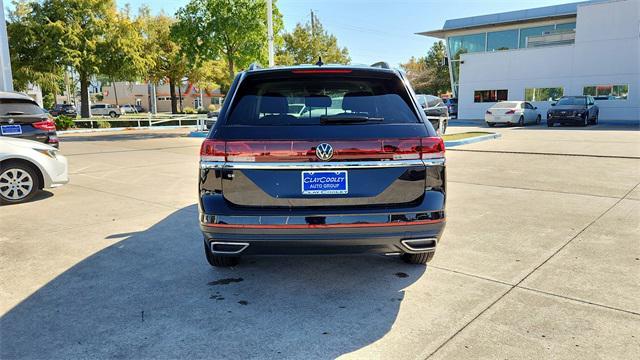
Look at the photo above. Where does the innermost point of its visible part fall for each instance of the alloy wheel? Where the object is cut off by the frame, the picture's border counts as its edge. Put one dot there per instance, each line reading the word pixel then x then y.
pixel 15 184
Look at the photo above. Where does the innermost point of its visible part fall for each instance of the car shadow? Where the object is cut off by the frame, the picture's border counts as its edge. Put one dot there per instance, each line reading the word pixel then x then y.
pixel 152 295
pixel 138 135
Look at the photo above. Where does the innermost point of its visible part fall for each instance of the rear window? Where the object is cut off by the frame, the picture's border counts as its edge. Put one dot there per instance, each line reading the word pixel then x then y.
pixel 506 105
pixel 19 107
pixel 581 100
pixel 277 101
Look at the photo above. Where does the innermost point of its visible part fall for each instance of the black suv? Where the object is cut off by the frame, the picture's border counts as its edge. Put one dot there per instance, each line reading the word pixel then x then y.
pixel 64 109
pixel 579 110
pixel 22 117
pixel 361 170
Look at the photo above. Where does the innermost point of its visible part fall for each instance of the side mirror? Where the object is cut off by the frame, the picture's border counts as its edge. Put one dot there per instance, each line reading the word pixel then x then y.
pixel 535 108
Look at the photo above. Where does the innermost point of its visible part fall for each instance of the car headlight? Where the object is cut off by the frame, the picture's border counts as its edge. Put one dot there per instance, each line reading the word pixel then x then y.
pixel 50 153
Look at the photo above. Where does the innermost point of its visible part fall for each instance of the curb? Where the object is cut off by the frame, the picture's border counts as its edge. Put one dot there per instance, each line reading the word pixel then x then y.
pixel 80 131
pixel 454 143
pixel 198 134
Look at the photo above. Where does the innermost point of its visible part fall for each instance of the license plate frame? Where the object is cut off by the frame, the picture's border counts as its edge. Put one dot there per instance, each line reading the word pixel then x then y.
pixel 323 182
pixel 5 129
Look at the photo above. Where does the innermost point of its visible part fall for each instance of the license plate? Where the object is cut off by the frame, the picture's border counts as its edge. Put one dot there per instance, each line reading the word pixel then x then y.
pixel 11 129
pixel 325 182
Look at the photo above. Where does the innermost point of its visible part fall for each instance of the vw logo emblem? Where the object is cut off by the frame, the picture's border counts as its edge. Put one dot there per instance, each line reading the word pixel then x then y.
pixel 324 151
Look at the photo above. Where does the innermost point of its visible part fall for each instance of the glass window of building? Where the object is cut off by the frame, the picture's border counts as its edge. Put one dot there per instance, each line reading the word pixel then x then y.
pixel 533 31
pixel 543 94
pixel 480 96
pixel 502 40
pixel 607 92
pixel 566 26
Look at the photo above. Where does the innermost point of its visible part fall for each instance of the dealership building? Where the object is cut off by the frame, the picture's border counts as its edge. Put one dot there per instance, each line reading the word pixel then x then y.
pixel 538 55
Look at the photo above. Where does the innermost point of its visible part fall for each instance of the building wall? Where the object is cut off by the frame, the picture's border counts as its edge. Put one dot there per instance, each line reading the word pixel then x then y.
pixel 130 93
pixel 606 51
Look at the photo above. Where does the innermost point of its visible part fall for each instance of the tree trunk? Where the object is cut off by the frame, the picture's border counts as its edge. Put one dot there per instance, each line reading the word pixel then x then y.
pixel 172 91
pixel 84 95
pixel 231 65
pixel 115 91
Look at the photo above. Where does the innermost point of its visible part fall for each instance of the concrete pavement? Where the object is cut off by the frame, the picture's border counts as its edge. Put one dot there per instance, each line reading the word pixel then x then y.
pixel 540 259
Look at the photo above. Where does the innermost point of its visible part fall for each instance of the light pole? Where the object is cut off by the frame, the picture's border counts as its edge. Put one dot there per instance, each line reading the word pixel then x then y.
pixel 270 31
pixel 6 79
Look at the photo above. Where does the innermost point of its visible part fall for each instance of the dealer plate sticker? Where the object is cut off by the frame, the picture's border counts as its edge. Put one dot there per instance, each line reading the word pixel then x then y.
pixel 11 129
pixel 325 182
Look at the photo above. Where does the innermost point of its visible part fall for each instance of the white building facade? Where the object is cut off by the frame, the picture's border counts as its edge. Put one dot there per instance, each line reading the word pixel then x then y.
pixel 538 55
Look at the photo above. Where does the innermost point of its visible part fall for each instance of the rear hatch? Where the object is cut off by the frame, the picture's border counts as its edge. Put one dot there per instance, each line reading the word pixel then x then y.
pixel 358 142
pixel 25 119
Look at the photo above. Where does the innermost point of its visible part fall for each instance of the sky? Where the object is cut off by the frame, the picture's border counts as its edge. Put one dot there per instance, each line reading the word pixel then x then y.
pixel 376 30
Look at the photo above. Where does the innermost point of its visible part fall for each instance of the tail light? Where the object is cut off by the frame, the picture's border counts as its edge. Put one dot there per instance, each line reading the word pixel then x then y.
pixel 510 112
pixel 305 151
pixel 46 125
pixel 488 112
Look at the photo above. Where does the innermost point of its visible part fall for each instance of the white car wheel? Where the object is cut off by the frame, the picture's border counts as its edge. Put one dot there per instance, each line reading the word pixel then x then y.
pixel 17 183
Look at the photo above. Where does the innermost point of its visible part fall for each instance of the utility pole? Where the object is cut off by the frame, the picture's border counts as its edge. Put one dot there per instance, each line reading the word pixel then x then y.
pixel 270 31
pixel 6 78
pixel 313 35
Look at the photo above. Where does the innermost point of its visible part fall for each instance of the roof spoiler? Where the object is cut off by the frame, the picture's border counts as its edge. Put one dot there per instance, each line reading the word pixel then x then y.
pixel 381 64
pixel 254 66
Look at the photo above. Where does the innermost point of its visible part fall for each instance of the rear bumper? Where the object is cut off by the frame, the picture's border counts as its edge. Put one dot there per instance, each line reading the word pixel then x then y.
pixel 326 232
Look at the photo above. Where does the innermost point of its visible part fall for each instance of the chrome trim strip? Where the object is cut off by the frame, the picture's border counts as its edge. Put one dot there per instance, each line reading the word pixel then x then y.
pixel 243 244
pixel 321 165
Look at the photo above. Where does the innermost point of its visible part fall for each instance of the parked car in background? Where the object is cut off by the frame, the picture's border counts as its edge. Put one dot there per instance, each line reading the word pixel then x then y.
pixel 576 110
pixel 452 105
pixel 360 173
pixel 511 113
pixel 21 117
pixel 105 110
pixel 132 109
pixel 436 111
pixel 212 117
pixel 64 109
pixel 26 167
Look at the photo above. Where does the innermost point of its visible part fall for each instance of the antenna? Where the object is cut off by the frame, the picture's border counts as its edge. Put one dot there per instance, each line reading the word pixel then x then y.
pixel 319 63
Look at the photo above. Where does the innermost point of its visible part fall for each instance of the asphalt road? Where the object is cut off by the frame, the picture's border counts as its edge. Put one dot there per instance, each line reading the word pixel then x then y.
pixel 540 259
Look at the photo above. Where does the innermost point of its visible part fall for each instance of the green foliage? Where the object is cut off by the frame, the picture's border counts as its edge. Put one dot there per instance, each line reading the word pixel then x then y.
pixel 306 42
pixel 64 122
pixel 48 100
pixel 232 31
pixel 429 75
pixel 189 110
pixel 103 124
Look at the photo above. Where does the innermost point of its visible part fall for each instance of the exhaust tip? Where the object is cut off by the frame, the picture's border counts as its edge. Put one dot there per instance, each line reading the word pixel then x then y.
pixel 221 247
pixel 420 245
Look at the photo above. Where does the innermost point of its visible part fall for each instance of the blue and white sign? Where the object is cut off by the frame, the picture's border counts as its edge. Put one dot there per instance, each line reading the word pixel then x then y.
pixel 325 182
pixel 11 129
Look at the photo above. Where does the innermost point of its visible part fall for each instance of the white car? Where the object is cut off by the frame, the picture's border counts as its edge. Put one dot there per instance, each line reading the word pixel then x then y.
pixel 512 112
pixel 105 110
pixel 27 167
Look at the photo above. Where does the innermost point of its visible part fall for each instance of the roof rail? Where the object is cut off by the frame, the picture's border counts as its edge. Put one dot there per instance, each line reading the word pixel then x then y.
pixel 381 64
pixel 254 66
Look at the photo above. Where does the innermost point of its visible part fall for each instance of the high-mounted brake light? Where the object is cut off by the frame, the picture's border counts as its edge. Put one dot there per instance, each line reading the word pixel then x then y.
pixel 321 71
pixel 46 125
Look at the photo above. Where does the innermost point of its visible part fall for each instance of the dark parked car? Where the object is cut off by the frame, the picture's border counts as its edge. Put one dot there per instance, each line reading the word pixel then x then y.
pixel 362 171
pixel 452 105
pixel 212 117
pixel 21 117
pixel 578 110
pixel 64 109
pixel 436 111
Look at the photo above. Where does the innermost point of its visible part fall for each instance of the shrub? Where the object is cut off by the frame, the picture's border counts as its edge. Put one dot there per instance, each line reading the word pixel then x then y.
pixel 189 110
pixel 64 122
pixel 213 107
pixel 202 110
pixel 103 124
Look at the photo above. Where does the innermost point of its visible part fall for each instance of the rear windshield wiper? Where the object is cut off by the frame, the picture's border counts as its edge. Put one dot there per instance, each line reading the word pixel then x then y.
pixel 348 119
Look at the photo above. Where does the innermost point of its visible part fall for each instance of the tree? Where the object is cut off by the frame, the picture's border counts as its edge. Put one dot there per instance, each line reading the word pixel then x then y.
pixel 429 74
pixel 123 54
pixel 234 31
pixel 309 41
pixel 31 62
pixel 169 61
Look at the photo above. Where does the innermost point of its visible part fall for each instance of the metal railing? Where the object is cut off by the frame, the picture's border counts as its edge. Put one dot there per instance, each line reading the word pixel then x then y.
pixel 150 120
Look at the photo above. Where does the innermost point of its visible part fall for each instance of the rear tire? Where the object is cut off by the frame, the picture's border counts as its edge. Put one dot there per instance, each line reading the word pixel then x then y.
pixel 491 124
pixel 217 260
pixel 595 120
pixel 538 120
pixel 420 259
pixel 112 114
pixel 549 123
pixel 521 121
